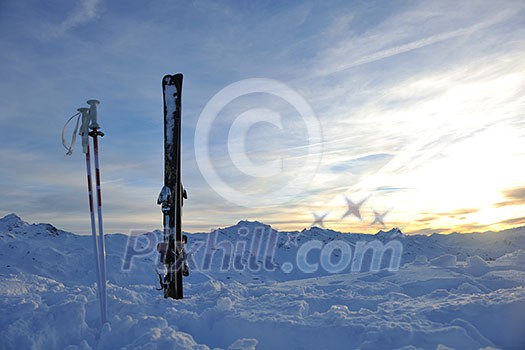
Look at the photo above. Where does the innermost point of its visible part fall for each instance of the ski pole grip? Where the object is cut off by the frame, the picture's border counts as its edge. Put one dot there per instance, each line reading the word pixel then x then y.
pixel 84 128
pixel 93 116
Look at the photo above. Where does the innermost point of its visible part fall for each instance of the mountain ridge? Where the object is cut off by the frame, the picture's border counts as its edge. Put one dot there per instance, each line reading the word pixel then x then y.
pixel 12 221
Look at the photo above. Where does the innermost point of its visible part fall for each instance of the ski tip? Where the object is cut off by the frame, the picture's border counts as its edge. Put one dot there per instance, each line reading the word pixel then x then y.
pixel 172 79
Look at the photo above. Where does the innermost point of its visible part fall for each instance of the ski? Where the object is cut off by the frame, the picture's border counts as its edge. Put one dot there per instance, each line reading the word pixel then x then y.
pixel 172 250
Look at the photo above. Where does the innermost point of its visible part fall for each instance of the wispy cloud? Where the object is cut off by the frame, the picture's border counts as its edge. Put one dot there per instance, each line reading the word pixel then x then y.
pixel 85 12
pixel 513 196
pixel 459 212
pixel 514 221
pixel 354 60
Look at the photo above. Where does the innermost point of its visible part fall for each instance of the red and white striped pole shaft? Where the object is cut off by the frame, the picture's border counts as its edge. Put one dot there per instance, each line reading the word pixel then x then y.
pixel 101 244
pixel 94 234
pixel 84 131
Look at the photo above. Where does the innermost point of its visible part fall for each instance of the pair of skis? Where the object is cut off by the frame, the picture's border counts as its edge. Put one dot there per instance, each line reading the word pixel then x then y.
pixel 172 250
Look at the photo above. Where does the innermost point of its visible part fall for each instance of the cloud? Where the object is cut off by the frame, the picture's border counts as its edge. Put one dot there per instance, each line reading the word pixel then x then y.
pixel 514 196
pixel 464 228
pixel 428 218
pixel 426 231
pixel 397 29
pixel 86 11
pixel 459 212
pixel 362 164
pixel 391 189
pixel 514 221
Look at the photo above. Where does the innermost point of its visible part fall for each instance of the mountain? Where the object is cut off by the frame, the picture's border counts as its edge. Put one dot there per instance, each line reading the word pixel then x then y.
pixel 254 287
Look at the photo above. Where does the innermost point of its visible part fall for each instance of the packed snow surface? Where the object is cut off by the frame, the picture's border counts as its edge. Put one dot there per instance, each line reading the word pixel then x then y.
pixel 252 287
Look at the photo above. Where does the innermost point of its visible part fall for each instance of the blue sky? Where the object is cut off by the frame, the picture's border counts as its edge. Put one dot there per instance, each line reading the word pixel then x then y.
pixel 418 107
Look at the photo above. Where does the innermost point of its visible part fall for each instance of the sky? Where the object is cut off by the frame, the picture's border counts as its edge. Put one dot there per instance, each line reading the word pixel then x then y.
pixel 292 112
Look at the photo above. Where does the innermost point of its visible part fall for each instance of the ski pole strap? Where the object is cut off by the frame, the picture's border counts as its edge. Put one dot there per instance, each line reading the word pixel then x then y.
pixel 73 137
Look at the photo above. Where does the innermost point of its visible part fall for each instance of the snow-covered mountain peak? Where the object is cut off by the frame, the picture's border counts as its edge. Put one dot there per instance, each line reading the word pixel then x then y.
pixel 246 225
pixel 14 224
pixel 393 233
pixel 11 221
pixel 316 231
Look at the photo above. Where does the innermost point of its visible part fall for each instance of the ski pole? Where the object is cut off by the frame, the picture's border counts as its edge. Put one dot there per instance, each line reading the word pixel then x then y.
pixel 84 132
pixel 94 126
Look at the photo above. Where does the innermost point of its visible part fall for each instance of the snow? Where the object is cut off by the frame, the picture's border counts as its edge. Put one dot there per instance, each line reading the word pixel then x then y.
pixel 449 291
pixel 446 260
pixel 169 92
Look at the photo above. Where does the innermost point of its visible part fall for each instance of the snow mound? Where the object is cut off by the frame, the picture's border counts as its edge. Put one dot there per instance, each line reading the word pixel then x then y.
pixel 446 260
pixel 476 266
pixel 420 260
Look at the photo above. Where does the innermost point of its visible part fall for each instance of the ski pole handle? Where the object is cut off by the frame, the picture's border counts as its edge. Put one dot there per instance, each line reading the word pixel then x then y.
pixel 93 116
pixel 84 128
